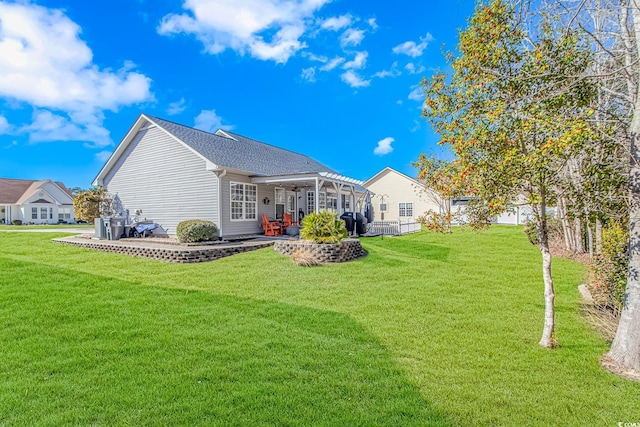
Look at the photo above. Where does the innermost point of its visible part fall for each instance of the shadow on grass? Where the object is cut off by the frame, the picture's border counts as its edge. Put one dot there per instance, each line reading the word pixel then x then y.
pixel 84 349
pixel 401 250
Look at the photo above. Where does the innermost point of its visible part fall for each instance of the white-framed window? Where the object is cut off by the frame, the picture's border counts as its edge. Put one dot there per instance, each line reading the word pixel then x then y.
pixel 64 213
pixel 280 199
pixel 244 201
pixel 34 213
pixel 405 209
pixel 332 201
pixel 346 202
pixel 291 203
pixel 43 213
pixel 311 201
pixel 322 201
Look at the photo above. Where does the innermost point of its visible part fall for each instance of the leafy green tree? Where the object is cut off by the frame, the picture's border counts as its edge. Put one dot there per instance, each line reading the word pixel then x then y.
pixel 91 204
pixel 443 178
pixel 514 110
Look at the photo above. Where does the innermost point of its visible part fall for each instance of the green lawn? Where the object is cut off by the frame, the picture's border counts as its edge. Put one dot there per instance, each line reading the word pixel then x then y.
pixel 43 226
pixel 426 330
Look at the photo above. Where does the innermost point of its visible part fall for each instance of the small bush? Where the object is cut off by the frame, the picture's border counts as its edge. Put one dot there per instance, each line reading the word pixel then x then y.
pixel 610 268
pixel 196 230
pixel 554 228
pixel 16 222
pixel 323 227
pixel 438 222
pixel 304 259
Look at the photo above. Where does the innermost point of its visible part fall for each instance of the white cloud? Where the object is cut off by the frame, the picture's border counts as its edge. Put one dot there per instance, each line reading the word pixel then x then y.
pixel 358 62
pixel 309 74
pixel 332 64
pixel 240 24
pixel 336 23
pixel 4 125
pixel 351 37
pixel 372 23
pixel 416 126
pixel 392 72
pixel 384 146
pixel 177 107
pixel 412 49
pixel 209 121
pixel 103 156
pixel 399 102
pixel 416 94
pixel 411 68
pixel 47 126
pixel 11 145
pixel 314 57
pixel 354 80
pixel 44 63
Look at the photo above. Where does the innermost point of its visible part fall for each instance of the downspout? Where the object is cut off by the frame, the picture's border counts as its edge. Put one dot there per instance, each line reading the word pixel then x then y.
pixel 220 220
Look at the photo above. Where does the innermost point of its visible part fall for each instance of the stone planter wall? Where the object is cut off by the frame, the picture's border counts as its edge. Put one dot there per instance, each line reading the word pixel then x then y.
pixel 171 253
pixel 325 253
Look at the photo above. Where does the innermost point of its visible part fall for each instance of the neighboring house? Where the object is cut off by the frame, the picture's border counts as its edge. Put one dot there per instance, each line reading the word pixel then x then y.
pixel 398 197
pixel 519 212
pixel 37 202
pixel 172 173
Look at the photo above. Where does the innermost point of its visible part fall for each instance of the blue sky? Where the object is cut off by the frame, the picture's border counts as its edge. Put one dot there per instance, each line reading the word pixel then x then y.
pixel 335 80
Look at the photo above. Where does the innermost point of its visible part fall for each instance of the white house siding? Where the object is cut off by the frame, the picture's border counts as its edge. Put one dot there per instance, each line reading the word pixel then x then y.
pixel 164 179
pixel 60 195
pixel 397 188
pixel 237 228
pixel 57 199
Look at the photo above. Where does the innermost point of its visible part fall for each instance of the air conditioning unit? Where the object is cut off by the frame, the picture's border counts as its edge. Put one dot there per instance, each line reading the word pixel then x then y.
pixel 100 230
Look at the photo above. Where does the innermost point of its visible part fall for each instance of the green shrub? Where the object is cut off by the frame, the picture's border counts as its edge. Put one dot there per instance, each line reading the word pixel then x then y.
pixel 196 230
pixel 16 222
pixel 554 228
pixel 323 227
pixel 610 267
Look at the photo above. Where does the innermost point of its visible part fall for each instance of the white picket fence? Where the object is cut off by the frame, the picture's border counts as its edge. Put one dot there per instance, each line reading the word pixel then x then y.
pixel 394 228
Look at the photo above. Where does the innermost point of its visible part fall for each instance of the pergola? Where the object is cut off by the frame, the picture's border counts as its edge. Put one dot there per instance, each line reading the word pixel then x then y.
pixel 317 181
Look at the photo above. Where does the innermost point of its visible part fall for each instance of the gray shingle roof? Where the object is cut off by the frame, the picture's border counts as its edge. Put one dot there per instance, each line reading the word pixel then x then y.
pixel 242 153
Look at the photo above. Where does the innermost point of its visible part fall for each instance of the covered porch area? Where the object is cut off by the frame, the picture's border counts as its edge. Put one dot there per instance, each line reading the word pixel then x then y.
pixel 301 194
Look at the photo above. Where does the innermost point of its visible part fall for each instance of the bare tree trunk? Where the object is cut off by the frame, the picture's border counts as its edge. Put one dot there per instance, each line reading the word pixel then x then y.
pixel 625 349
pixel 566 232
pixel 589 238
pixel 577 224
pixel 548 338
pixel 598 236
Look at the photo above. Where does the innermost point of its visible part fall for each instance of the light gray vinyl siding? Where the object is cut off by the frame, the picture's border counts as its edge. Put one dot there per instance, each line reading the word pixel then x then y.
pixel 164 179
pixel 235 228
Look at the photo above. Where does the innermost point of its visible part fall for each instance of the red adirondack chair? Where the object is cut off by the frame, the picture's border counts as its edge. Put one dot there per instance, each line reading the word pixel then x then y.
pixel 271 228
pixel 287 220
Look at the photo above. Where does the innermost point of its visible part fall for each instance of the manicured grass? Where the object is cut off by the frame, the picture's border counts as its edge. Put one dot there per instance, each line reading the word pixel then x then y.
pixel 426 330
pixel 43 226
